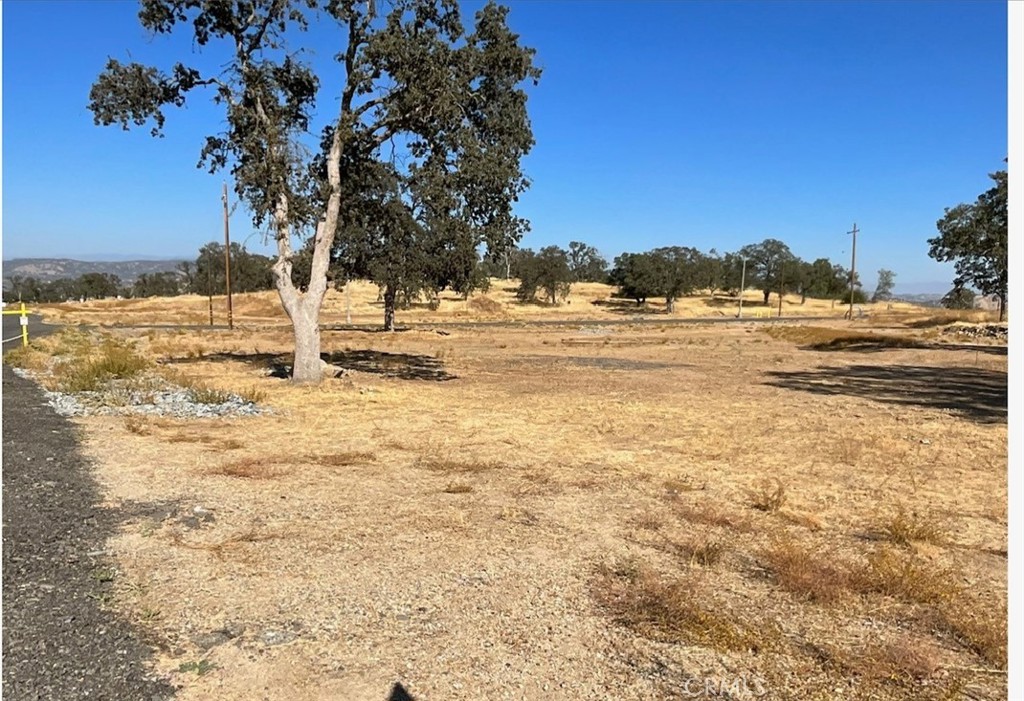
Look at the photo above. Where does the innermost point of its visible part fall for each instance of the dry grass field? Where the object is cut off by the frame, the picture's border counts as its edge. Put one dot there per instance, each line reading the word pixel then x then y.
pixel 623 512
pixel 590 301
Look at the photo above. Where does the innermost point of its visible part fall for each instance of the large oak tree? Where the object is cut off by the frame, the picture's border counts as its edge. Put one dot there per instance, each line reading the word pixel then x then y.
pixel 409 77
pixel 975 236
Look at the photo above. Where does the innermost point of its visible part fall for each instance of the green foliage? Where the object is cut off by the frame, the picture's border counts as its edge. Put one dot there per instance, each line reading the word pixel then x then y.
pixel 975 237
pixel 166 284
pixel 958 298
pixel 883 290
pixel 547 271
pixel 115 360
pixel 637 275
pixel 768 264
pixel 425 109
pixel 586 264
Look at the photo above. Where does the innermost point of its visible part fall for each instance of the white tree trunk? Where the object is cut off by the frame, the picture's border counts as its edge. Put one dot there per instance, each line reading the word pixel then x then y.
pixel 306 325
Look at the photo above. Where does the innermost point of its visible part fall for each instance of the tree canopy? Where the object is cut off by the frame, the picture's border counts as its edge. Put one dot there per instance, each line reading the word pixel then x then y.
pixel 414 89
pixel 975 237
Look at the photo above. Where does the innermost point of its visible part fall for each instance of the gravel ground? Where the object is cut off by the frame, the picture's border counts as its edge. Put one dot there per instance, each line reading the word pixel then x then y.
pixel 59 641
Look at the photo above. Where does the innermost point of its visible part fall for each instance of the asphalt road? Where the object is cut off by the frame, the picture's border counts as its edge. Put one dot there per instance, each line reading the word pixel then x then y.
pixel 61 640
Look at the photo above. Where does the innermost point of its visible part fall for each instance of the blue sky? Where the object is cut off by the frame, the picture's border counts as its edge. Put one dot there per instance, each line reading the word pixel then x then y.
pixel 708 124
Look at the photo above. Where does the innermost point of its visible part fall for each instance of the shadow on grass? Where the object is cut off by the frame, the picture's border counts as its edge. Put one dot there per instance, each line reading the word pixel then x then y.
pixel 973 393
pixel 879 343
pixel 403 366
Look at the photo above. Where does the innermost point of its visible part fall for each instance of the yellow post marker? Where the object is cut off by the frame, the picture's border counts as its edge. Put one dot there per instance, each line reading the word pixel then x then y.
pixel 24 325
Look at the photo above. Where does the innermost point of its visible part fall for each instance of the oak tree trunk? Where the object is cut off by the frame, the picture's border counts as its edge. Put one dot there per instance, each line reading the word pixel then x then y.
pixel 389 307
pixel 306 326
pixel 670 304
pixel 766 295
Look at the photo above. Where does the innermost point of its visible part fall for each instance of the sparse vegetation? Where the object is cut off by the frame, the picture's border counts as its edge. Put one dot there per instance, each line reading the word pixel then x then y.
pixel 905 527
pixel 769 496
pixel 807 574
pixel 670 609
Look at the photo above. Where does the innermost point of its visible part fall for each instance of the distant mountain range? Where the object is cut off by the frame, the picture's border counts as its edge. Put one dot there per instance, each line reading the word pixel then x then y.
pixel 50 269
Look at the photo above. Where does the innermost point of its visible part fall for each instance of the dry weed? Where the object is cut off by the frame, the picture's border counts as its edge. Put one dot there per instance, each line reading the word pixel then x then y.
pixel 906 527
pixel 458 488
pixel 902 661
pixel 713 515
pixel 248 468
pixel 668 610
pixel 769 495
pixel 807 574
pixel 455 465
pixel 343 459
pixel 904 576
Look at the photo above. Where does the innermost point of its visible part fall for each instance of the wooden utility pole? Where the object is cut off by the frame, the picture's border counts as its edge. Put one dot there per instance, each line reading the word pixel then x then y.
pixel 227 258
pixel 209 287
pixel 853 269
pixel 743 286
pixel 348 302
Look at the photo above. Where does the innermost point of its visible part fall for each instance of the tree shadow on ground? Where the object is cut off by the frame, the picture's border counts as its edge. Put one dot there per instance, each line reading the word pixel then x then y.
pixel 629 307
pixel 878 343
pixel 403 366
pixel 973 393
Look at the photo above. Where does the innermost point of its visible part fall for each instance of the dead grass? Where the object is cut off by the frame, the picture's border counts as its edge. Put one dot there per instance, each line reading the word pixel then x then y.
pixel 112 360
pixel 769 496
pixel 826 339
pixel 713 515
pixel 706 553
pixel 448 465
pixel 905 527
pixel 493 495
pixel 344 458
pixel 905 660
pixel 249 468
pixel 908 578
pixel 669 609
pixel 979 627
pixel 807 574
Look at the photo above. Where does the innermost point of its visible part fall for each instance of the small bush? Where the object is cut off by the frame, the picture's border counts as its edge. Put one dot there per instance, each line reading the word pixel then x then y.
pixel 115 360
pixel 805 574
pixel 980 628
pixel 904 528
pixel 905 577
pixel 904 661
pixel 705 553
pixel 667 610
pixel 201 394
pixel 253 395
pixel 770 496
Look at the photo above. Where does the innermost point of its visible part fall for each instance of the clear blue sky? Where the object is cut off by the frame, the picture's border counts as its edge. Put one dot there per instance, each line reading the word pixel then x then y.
pixel 708 124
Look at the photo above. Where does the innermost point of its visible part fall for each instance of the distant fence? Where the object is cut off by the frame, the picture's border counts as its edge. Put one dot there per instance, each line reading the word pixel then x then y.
pixel 23 312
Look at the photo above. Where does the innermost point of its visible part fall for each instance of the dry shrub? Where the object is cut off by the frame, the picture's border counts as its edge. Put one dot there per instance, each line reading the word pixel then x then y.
pixel 485 305
pixel 713 515
pixel 458 488
pixel 254 395
pixel 113 360
pixel 848 451
pixel 807 574
pixel 905 660
pixel 248 468
pixel 668 610
pixel 705 553
pixel 981 628
pixel 647 522
pixel 29 357
pixel 769 495
pixel 905 527
pixel 137 425
pixel 903 576
pixel 203 394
